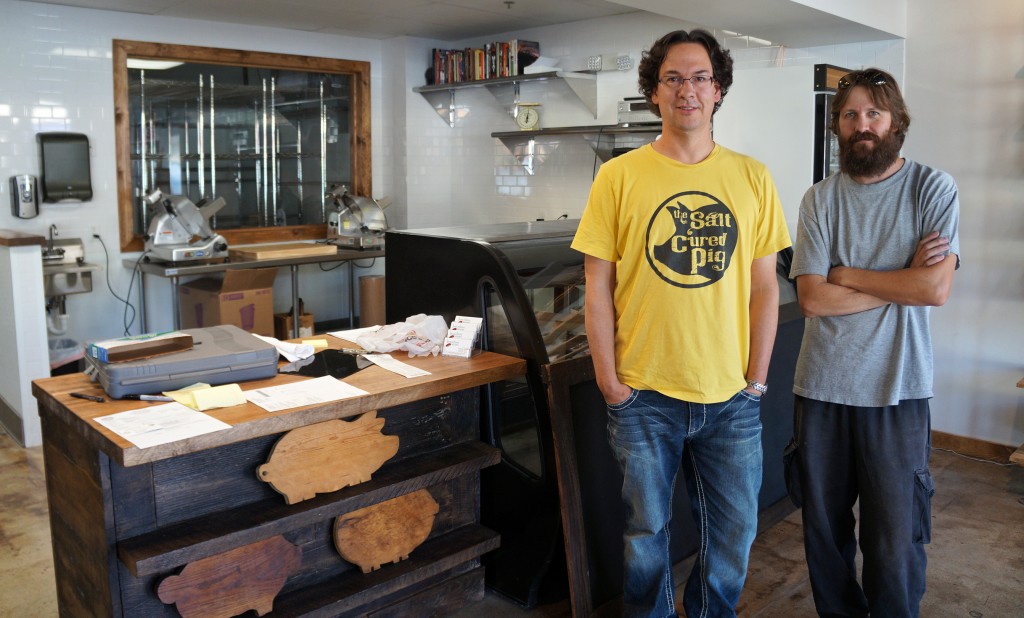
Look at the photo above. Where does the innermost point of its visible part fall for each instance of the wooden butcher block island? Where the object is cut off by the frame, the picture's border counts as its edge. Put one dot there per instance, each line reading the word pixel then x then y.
pixel 189 528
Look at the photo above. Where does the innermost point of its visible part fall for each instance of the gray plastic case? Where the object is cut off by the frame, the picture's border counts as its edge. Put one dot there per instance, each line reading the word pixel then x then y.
pixel 219 355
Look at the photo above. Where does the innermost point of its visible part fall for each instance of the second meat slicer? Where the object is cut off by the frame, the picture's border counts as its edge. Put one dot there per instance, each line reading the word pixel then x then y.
pixel 357 222
pixel 181 231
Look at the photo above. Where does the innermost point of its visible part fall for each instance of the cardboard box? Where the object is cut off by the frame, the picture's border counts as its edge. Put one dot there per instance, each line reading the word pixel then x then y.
pixel 244 298
pixel 283 323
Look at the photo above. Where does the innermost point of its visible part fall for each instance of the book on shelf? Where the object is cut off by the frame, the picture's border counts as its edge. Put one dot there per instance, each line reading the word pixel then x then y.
pixel 527 53
pixel 491 61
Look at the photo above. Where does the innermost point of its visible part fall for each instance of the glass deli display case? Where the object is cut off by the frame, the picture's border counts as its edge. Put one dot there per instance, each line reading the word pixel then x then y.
pixel 528 285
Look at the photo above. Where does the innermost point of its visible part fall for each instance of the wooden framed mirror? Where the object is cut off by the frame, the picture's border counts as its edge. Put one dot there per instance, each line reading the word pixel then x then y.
pixel 270 133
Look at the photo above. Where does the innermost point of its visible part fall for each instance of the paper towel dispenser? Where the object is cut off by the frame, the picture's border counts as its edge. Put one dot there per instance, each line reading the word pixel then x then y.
pixel 64 161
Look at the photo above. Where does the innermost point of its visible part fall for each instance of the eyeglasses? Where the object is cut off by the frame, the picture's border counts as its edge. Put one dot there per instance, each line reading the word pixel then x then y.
pixel 675 82
pixel 873 78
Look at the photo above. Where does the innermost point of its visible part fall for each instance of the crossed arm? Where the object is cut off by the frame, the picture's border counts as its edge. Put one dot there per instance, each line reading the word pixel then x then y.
pixel 926 282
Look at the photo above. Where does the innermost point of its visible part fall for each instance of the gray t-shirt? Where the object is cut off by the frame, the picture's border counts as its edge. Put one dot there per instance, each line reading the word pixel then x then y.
pixel 881 356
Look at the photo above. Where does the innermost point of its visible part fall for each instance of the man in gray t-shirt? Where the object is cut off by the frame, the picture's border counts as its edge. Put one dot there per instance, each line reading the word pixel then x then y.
pixel 877 245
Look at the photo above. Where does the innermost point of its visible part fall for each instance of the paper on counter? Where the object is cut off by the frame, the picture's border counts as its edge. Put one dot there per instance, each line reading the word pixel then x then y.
pixel 290 351
pixel 350 335
pixel 304 393
pixel 222 396
pixel 403 369
pixel 202 396
pixel 150 426
pixel 184 395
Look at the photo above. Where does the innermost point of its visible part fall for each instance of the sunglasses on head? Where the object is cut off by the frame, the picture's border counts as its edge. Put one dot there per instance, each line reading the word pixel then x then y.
pixel 873 78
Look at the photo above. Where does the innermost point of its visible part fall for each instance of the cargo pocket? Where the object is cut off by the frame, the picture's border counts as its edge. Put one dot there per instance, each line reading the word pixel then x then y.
pixel 924 489
pixel 791 469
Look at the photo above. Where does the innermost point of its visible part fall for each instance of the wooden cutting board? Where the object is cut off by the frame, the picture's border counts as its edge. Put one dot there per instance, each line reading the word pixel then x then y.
pixel 280 251
pixel 387 531
pixel 327 456
pixel 228 584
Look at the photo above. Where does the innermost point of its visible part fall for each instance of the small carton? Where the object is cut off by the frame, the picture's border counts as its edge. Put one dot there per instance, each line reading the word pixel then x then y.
pixel 139 346
pixel 243 298
pixel 283 323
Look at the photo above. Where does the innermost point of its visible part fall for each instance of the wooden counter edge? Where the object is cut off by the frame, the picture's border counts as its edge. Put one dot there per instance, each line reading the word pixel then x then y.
pixel 11 238
pixel 482 369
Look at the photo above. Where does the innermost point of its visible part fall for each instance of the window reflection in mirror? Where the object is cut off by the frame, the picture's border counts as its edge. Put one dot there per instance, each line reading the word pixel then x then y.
pixel 269 133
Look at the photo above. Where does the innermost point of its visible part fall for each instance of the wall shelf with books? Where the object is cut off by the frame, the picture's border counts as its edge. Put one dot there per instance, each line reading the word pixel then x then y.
pixel 606 140
pixel 506 90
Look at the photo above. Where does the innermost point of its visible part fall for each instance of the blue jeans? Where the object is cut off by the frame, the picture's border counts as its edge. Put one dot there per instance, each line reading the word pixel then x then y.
pixel 650 434
pixel 879 457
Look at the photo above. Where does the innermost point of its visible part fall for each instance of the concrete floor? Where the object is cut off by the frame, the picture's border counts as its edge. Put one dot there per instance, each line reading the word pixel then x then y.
pixel 976 558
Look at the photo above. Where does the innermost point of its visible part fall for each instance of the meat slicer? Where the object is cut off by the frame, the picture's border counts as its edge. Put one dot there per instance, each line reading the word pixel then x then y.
pixel 357 222
pixel 180 230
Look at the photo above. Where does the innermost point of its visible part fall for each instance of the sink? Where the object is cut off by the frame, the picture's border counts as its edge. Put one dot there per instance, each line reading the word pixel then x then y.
pixel 64 279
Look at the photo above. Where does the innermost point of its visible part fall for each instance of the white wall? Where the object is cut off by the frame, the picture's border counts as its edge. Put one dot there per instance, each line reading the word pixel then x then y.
pixel 965 89
pixel 776 128
pixel 57 76
pixel 25 354
pixel 453 179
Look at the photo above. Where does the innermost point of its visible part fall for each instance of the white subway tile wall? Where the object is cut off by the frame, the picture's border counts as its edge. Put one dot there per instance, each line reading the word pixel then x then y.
pixel 485 181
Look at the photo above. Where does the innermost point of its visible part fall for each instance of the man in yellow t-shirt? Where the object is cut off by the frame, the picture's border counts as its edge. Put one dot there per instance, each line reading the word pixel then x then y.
pixel 680 238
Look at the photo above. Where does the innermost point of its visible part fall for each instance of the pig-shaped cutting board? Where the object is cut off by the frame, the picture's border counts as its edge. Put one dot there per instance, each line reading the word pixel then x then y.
pixel 327 456
pixel 387 531
pixel 228 584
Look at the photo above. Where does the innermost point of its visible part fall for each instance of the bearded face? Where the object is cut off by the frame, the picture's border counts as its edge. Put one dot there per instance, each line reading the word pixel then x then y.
pixel 864 154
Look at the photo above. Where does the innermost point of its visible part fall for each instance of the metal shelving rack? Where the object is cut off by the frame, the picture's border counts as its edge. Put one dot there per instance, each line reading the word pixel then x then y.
pixel 506 90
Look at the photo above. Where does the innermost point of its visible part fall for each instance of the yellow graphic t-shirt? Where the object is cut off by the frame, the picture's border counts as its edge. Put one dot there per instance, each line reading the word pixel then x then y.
pixel 682 238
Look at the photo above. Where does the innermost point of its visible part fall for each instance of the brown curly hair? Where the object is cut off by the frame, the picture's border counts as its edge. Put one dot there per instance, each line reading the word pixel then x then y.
pixel 884 92
pixel 652 59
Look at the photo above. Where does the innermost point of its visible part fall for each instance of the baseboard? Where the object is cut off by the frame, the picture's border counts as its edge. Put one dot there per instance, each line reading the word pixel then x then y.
pixel 982 449
pixel 12 422
pixel 773 514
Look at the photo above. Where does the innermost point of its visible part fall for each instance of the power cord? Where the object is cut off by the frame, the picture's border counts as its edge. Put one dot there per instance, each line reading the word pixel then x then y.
pixel 370 265
pixel 982 460
pixel 354 263
pixel 127 304
pixel 329 269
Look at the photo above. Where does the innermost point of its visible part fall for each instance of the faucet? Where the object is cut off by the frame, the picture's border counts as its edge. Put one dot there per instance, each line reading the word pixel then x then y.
pixel 53 253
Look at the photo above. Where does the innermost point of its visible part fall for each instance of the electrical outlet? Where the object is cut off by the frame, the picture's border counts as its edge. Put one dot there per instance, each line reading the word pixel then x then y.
pixel 609 62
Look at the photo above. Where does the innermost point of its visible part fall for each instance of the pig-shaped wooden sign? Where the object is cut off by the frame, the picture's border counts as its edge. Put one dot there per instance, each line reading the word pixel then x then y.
pixel 239 580
pixel 386 531
pixel 327 456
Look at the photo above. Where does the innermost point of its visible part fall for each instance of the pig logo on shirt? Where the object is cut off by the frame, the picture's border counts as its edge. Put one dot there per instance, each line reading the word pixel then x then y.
pixel 691 239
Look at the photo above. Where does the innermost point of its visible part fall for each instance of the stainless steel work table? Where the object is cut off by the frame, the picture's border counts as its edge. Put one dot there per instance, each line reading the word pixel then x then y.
pixel 176 270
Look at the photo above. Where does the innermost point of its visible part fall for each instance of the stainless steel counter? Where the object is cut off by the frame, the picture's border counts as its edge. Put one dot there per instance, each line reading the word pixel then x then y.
pixel 176 270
